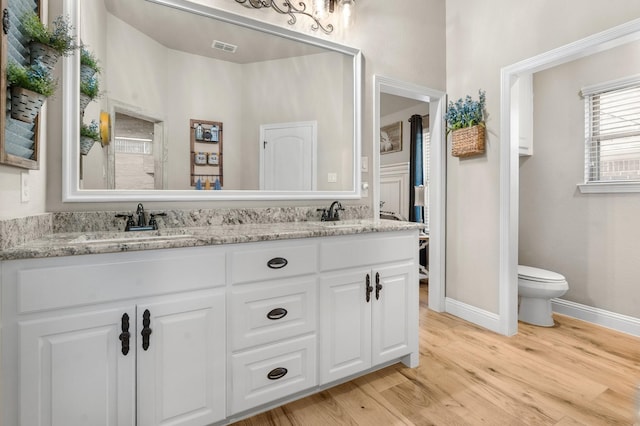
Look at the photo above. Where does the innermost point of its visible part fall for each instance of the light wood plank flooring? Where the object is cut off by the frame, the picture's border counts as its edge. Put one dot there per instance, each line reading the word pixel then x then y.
pixel 572 374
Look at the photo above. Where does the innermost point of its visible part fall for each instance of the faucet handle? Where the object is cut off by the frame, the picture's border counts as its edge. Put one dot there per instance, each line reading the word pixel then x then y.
pixel 324 216
pixel 130 221
pixel 152 219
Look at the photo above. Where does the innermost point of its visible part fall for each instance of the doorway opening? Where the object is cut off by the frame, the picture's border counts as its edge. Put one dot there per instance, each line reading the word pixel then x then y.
pixel 437 161
pixel 136 154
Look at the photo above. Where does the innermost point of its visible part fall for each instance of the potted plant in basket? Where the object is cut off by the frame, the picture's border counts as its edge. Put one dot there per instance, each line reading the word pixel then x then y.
pixel 89 134
pixel 30 87
pixel 465 121
pixel 47 44
pixel 89 64
pixel 89 90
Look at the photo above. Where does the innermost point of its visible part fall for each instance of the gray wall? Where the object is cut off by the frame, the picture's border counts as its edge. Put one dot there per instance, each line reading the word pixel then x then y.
pixel 592 239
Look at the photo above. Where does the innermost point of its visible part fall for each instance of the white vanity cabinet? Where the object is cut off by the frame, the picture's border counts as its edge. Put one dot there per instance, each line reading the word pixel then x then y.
pixel 201 335
pixel 368 304
pixel 272 321
pixel 115 339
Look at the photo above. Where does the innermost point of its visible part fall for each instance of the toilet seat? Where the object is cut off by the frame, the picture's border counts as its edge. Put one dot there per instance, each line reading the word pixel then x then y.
pixel 530 273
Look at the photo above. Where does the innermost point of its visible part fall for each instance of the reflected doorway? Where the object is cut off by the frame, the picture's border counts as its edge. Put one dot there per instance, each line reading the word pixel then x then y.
pixel 136 153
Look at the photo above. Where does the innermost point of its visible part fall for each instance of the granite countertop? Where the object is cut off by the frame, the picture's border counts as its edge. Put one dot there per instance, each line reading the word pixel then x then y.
pixel 78 243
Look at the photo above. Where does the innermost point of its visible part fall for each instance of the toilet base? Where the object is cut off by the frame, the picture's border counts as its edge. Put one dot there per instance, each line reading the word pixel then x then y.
pixel 535 311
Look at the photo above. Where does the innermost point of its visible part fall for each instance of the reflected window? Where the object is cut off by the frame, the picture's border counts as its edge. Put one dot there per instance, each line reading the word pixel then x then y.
pixel 134 149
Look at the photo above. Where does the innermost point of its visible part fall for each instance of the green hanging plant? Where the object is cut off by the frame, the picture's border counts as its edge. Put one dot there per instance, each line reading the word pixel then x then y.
pixel 58 36
pixel 90 131
pixel 88 58
pixel 35 77
pixel 90 87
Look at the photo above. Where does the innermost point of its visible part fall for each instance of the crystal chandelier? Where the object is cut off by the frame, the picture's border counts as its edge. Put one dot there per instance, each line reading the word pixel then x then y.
pixel 319 11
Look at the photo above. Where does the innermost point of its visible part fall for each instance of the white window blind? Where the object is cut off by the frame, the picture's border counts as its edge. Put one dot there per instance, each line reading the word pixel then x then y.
pixel 612 118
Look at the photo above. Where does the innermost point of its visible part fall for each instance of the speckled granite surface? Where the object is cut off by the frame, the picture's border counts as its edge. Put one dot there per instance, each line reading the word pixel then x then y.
pixel 76 233
pixel 106 220
pixel 78 243
pixel 14 232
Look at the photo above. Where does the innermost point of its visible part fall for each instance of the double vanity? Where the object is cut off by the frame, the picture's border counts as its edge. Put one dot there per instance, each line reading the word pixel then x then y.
pixel 201 325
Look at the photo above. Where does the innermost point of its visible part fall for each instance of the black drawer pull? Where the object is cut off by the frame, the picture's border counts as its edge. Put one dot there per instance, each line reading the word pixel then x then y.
pixel 277 373
pixel 277 313
pixel 277 263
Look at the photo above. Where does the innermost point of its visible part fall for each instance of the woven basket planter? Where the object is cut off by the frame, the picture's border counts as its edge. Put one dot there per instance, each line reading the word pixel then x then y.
pixel 84 101
pixel 86 73
pixel 468 141
pixel 47 55
pixel 25 104
pixel 86 144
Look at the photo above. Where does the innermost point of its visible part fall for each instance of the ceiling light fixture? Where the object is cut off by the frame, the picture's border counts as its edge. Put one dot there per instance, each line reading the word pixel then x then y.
pixel 320 10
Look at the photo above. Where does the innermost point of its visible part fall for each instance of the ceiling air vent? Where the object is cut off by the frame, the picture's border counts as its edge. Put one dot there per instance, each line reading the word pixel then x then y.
pixel 221 45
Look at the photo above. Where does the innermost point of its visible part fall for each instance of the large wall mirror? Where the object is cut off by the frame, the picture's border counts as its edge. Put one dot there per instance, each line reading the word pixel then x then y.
pixel 168 64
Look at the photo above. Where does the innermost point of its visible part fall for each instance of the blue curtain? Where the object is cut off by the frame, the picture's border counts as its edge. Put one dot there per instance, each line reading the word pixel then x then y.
pixel 416 167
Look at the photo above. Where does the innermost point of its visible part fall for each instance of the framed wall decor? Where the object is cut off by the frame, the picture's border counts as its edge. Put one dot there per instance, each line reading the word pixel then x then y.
pixel 391 138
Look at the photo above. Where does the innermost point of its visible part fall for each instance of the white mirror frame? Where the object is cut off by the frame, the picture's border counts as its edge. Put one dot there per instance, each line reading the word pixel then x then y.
pixel 509 155
pixel 71 122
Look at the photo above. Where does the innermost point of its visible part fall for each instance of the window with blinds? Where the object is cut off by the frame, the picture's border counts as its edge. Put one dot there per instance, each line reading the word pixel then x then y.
pixel 612 118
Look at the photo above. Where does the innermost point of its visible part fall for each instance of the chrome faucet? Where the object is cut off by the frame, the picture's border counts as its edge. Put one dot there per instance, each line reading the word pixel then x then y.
pixel 332 213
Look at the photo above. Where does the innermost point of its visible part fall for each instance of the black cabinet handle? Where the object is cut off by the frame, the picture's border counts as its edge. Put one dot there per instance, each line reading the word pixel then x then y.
pixel 277 263
pixel 277 313
pixel 125 335
pixel 368 288
pixel 378 285
pixel 146 330
pixel 277 373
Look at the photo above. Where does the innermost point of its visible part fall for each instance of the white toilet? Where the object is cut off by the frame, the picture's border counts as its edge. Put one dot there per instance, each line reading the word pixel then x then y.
pixel 536 288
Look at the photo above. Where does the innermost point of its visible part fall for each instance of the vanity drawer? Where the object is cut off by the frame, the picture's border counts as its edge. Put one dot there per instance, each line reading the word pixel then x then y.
pixel 63 282
pixel 373 249
pixel 266 312
pixel 266 261
pixel 272 372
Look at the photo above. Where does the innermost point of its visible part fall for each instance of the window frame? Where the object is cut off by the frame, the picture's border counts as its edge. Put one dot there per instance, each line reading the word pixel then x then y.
pixel 604 186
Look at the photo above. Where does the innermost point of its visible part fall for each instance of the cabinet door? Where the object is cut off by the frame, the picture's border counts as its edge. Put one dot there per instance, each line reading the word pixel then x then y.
pixel 73 371
pixel 345 325
pixel 392 319
pixel 181 372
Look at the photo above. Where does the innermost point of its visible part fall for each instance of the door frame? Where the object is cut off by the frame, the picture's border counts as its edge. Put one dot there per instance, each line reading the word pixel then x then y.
pixel 437 186
pixel 160 141
pixel 509 154
pixel 314 151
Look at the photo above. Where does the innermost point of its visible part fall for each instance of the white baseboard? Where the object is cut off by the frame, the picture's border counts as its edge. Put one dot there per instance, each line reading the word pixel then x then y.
pixel 618 322
pixel 480 317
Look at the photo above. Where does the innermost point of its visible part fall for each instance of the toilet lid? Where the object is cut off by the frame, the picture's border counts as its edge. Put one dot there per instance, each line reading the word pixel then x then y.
pixel 537 274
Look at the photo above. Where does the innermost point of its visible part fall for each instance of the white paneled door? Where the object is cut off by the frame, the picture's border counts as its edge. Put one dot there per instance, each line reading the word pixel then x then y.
pixel 287 156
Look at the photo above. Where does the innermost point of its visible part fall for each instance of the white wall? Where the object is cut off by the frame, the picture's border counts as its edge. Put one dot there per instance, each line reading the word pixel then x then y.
pixel 482 37
pixel 592 239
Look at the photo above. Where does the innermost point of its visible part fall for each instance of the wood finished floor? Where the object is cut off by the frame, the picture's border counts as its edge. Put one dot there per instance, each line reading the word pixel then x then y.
pixel 572 374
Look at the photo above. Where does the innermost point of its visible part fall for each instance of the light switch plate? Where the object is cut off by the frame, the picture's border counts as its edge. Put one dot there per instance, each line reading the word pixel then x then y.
pixel 332 177
pixel 24 187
